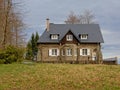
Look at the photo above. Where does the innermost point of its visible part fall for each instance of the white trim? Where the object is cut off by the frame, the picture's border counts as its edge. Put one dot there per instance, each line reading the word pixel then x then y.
pixel 84 36
pixel 69 37
pixel 88 52
pixel 53 52
pixel 54 36
pixel 68 52
pixel 83 52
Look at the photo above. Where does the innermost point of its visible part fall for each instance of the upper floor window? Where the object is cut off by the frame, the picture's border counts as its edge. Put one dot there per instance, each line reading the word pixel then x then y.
pixel 69 37
pixel 84 36
pixel 54 36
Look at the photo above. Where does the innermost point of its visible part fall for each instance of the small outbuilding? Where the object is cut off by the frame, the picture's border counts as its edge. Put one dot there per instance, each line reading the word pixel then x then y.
pixel 110 61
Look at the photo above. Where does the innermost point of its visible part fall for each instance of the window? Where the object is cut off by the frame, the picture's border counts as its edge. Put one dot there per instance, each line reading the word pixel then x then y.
pixel 53 52
pixel 63 52
pixel 54 36
pixel 69 52
pixel 94 56
pixel 69 37
pixel 84 36
pixel 84 52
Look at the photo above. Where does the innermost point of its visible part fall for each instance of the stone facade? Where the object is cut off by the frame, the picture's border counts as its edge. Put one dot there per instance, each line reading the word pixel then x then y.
pixel 73 43
pixel 95 55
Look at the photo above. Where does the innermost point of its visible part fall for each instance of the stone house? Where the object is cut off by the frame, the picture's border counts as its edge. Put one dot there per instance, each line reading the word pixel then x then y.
pixel 72 43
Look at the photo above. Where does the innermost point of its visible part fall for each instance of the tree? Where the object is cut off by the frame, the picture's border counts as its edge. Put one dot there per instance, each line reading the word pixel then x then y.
pixel 86 18
pixel 7 7
pixel 11 24
pixel 72 18
pixel 32 46
pixel 29 54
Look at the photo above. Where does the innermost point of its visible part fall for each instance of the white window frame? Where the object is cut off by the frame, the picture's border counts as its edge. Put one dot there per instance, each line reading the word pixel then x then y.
pixel 84 36
pixel 69 52
pixel 53 52
pixel 69 37
pixel 54 36
pixel 84 52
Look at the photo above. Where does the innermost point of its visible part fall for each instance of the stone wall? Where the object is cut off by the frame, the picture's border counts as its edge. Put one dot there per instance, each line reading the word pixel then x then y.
pixel 43 53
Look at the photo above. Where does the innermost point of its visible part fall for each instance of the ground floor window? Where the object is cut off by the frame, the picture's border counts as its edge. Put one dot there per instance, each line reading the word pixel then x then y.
pixel 69 52
pixel 84 52
pixel 53 52
pixel 63 52
pixel 94 58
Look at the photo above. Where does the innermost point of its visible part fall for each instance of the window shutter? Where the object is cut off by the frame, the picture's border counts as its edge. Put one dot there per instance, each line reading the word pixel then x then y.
pixel 50 52
pixel 57 52
pixel 88 51
pixel 80 51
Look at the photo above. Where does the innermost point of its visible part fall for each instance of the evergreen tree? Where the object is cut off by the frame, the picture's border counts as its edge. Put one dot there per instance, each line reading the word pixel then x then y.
pixel 36 39
pixel 32 46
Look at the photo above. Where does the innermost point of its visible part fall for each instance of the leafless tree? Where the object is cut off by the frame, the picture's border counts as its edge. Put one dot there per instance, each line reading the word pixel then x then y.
pixel 86 18
pixel 72 18
pixel 11 24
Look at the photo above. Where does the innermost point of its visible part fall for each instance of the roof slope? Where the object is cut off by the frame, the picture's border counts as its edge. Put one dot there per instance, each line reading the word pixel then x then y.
pixel 93 31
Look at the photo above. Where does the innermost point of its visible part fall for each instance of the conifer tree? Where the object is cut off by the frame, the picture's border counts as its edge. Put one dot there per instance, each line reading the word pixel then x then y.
pixel 32 46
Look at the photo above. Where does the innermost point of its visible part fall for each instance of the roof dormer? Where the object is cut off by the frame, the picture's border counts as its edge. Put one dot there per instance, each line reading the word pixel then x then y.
pixel 83 36
pixel 54 36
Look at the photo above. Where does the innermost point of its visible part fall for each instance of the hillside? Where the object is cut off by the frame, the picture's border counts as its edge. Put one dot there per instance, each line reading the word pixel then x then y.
pixel 59 77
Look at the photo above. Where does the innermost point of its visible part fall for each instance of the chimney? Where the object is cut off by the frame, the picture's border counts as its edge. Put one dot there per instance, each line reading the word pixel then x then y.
pixel 47 24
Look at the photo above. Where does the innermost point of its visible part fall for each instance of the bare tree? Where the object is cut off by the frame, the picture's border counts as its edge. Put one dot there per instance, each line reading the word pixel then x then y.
pixel 7 8
pixel 11 24
pixel 72 18
pixel 1 24
pixel 17 30
pixel 86 18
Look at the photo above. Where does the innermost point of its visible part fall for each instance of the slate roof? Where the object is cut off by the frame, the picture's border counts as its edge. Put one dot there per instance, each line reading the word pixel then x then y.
pixel 93 31
pixel 110 59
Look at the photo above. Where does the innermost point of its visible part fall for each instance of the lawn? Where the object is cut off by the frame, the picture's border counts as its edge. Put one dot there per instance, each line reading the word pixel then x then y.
pixel 37 76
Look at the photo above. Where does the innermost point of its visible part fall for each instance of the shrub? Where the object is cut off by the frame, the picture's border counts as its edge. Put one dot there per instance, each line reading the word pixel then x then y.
pixel 11 54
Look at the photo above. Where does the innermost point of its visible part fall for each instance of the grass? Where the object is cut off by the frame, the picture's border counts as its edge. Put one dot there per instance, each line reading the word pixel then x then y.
pixel 59 77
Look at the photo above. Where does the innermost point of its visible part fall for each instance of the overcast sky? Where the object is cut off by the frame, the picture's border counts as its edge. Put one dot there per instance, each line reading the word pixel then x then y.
pixel 107 14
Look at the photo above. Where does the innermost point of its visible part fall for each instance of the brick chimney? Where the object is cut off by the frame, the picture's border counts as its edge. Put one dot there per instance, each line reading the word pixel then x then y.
pixel 47 24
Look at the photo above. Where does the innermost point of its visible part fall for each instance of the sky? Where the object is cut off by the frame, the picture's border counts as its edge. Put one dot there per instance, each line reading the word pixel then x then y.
pixel 107 15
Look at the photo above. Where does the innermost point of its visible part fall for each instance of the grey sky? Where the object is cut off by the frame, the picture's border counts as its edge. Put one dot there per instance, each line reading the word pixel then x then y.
pixel 106 13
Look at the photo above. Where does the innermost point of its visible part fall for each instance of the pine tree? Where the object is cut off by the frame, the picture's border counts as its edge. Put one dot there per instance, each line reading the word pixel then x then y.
pixel 32 46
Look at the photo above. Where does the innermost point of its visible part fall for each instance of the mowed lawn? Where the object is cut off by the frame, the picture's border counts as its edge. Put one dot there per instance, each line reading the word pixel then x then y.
pixel 37 76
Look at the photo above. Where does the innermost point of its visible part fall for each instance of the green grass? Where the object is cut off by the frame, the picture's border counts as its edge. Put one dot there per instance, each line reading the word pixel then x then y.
pixel 37 76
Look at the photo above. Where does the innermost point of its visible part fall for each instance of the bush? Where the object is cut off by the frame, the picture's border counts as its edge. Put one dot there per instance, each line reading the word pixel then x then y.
pixel 11 54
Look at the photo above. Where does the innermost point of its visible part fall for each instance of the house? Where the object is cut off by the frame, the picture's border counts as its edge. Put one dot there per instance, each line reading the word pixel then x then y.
pixel 70 43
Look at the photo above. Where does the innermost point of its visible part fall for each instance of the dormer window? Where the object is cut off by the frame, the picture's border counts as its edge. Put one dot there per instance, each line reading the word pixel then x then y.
pixel 54 36
pixel 84 36
pixel 69 37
